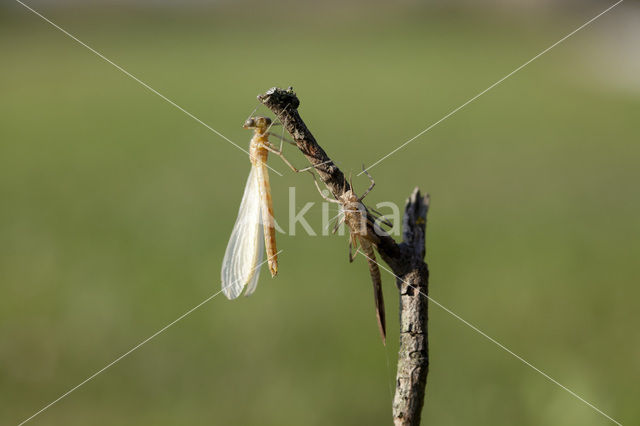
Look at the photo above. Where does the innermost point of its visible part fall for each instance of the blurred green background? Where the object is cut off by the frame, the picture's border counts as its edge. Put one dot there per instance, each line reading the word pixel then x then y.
pixel 115 210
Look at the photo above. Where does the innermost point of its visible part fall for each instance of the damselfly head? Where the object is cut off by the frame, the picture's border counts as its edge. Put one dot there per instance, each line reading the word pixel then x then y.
pixel 259 123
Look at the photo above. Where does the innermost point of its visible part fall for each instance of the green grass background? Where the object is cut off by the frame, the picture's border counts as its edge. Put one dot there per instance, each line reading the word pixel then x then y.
pixel 115 210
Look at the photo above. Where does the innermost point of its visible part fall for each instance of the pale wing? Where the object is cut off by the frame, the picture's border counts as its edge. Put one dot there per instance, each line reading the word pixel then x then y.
pixel 244 251
pixel 251 287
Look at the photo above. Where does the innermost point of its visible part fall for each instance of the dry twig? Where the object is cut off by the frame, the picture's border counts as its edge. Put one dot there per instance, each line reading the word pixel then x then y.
pixel 404 259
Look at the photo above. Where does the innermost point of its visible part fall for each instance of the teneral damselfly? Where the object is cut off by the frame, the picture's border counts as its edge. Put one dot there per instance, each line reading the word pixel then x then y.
pixel 254 230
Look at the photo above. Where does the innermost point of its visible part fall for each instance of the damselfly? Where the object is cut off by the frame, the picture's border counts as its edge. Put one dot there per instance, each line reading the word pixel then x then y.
pixel 254 229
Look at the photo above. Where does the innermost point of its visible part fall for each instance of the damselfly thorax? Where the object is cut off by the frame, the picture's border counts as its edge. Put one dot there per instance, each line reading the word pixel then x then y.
pixel 354 214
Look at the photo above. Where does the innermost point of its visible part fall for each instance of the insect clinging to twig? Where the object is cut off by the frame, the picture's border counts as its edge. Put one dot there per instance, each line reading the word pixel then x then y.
pixel 254 229
pixel 358 219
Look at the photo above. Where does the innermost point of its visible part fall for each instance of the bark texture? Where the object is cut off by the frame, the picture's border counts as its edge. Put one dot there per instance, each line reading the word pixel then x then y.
pixel 413 356
pixel 404 259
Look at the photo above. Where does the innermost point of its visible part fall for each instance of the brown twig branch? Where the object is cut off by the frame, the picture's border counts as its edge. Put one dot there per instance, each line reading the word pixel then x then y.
pixel 404 259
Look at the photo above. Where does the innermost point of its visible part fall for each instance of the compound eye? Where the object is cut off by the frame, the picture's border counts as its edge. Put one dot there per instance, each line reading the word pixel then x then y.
pixel 250 123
